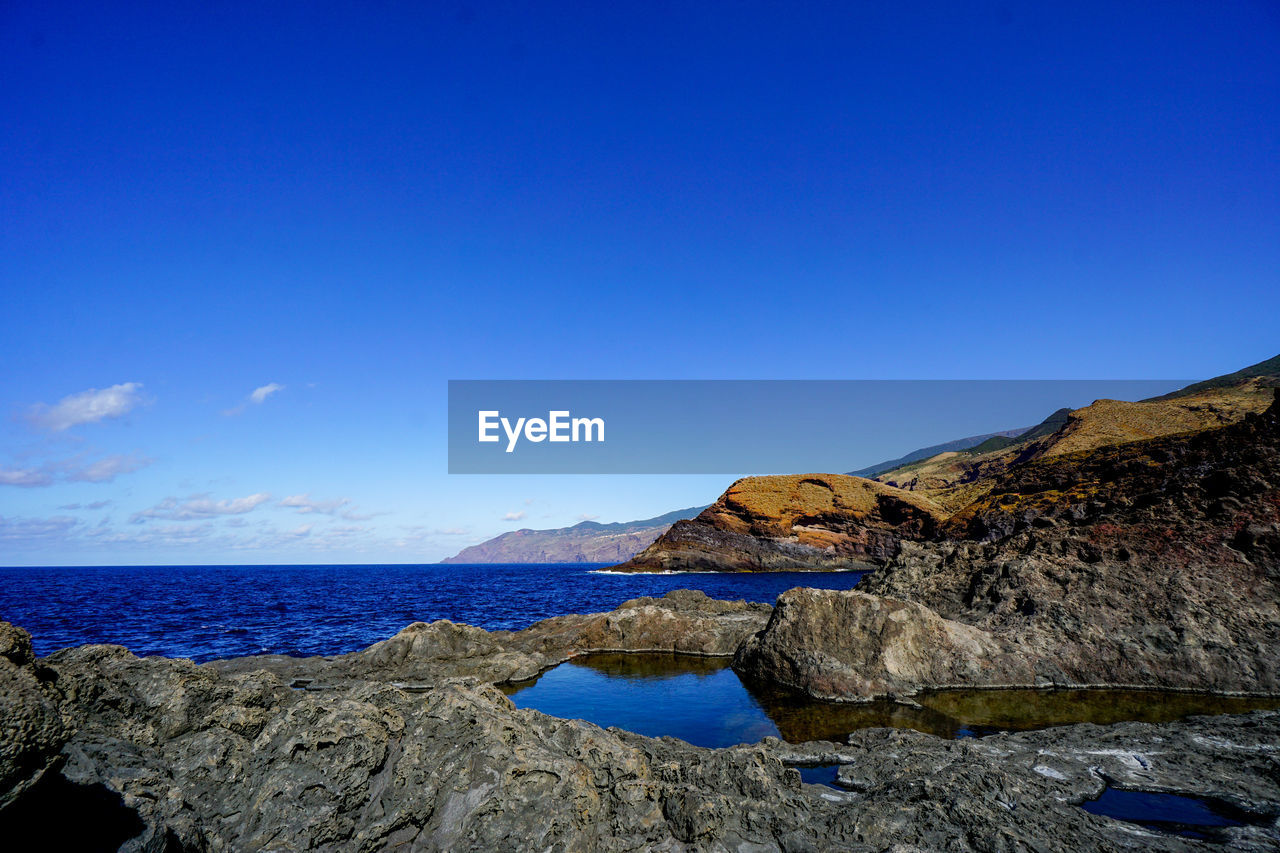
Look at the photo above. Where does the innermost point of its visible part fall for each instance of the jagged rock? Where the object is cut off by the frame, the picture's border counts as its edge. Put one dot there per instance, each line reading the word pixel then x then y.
pixel 199 760
pixel 845 644
pixel 32 730
pixel 240 762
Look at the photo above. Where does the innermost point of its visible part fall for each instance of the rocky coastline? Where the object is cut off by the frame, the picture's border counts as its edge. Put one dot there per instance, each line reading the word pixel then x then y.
pixel 1152 563
pixel 408 745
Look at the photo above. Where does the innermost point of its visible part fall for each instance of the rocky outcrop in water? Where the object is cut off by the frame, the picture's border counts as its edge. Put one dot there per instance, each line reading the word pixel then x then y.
pixel 1153 563
pixel 683 621
pixel 794 522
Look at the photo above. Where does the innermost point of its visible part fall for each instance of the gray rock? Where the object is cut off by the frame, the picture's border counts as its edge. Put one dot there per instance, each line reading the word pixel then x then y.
pixel 682 621
pixel 211 761
pixel 32 730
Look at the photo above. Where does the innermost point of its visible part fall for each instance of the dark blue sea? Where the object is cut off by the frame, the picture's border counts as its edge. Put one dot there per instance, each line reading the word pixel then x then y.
pixel 208 612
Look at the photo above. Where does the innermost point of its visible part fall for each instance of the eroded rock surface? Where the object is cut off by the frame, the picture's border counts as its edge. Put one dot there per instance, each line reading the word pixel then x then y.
pixel 202 760
pixel 835 644
pixel 31 726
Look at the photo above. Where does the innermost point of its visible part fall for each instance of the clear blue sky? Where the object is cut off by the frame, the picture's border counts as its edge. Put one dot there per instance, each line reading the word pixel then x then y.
pixel 357 202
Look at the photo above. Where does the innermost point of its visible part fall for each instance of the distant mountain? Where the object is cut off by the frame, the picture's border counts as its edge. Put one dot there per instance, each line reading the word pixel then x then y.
pixel 1267 372
pixel 946 447
pixel 586 542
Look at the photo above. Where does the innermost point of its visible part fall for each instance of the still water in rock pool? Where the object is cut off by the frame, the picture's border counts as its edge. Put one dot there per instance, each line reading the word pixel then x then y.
pixel 1191 817
pixel 702 701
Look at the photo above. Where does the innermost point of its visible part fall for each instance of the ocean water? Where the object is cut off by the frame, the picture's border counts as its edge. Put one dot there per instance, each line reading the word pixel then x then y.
pixel 208 612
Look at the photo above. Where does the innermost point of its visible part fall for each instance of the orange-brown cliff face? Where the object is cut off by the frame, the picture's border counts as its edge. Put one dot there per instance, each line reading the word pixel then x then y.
pixel 797 521
pixel 1152 563
pixel 836 521
pixel 956 479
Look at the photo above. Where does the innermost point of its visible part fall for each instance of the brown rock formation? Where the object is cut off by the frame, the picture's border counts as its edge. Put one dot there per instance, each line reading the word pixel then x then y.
pixel 1152 563
pixel 801 521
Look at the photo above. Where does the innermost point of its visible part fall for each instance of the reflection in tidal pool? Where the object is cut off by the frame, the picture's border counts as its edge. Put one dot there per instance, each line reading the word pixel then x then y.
pixel 1177 814
pixel 702 701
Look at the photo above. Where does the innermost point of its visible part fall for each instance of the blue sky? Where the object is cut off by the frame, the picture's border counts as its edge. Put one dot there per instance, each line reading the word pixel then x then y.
pixel 358 202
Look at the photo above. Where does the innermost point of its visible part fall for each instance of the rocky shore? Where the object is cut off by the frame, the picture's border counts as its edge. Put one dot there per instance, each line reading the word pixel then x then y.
pixel 1149 563
pixel 407 745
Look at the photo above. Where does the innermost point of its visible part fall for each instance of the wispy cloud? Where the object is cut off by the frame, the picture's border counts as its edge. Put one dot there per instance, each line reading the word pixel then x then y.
pixel 25 529
pixel 340 507
pixel 514 516
pixel 200 507
pixel 106 469
pixel 586 517
pixel 304 504
pixel 257 397
pixel 27 478
pixel 93 505
pixel 78 469
pixel 87 407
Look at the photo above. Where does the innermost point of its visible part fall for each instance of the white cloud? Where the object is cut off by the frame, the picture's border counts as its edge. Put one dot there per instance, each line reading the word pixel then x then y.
pixel 26 529
pixel 74 470
pixel 260 395
pixel 514 516
pixel 303 504
pixel 25 477
pixel 199 507
pixel 87 407
pixel 586 517
pixel 106 469
pixel 257 396
pixel 93 505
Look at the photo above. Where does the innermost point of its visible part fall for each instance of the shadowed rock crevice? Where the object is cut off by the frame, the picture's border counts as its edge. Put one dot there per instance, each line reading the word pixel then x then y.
pixel 58 814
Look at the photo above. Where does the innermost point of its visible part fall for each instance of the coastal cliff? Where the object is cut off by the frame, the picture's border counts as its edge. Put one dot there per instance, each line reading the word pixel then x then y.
pixel 1151 563
pixel 800 521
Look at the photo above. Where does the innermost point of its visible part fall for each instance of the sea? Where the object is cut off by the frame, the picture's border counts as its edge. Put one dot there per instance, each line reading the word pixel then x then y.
pixel 209 612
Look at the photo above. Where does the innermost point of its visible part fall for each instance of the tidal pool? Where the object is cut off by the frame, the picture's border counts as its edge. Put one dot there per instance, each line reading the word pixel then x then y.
pixel 1176 814
pixel 702 701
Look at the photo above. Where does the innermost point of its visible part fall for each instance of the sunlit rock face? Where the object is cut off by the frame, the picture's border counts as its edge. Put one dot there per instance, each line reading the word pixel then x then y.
pixel 1154 563
pixel 800 521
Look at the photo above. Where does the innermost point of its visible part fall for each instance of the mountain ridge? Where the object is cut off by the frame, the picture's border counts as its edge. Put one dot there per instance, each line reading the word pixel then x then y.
pixel 584 542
